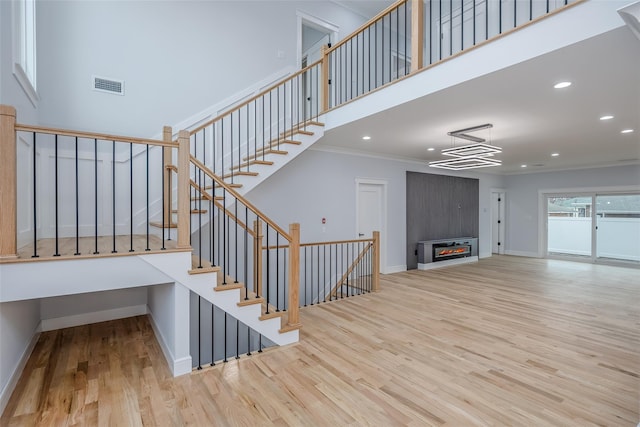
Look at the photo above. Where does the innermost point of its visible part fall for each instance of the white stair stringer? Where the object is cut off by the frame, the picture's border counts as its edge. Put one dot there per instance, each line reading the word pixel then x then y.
pixel 203 284
pixel 265 171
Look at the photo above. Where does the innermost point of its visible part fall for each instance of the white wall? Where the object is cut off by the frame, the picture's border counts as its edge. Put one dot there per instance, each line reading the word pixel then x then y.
pixel 522 214
pixel 11 92
pixel 321 184
pixel 176 57
pixel 18 326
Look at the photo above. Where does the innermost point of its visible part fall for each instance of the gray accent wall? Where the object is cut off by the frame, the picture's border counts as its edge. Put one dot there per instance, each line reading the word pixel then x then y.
pixel 439 207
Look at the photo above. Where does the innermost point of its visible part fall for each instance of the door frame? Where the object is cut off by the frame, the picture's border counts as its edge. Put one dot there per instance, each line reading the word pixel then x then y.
pixel 314 22
pixel 503 227
pixel 383 184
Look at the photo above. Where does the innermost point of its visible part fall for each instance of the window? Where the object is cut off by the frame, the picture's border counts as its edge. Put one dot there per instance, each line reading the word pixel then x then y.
pixel 24 50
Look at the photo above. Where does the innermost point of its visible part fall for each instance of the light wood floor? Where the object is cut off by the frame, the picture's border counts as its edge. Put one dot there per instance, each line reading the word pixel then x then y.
pixel 506 341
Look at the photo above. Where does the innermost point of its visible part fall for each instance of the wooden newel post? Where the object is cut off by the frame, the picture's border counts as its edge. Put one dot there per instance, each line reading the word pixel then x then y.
pixel 167 154
pixel 325 78
pixel 184 227
pixel 417 34
pixel 294 275
pixel 8 183
pixel 375 269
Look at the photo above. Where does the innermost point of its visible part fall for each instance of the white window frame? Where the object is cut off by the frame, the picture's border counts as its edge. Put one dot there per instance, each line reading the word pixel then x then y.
pixel 24 47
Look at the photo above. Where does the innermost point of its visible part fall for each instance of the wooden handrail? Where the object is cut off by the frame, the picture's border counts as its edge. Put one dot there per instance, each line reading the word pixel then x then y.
pixel 253 98
pixel 237 195
pixel 332 242
pixel 91 135
pixel 365 25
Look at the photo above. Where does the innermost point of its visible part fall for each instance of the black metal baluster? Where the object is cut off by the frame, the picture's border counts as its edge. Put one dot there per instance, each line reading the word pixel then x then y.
pixel 430 38
pixel 474 22
pixel 305 276
pixel 95 191
pixel 324 272
pixel 164 212
pixel 450 27
pixel 530 10
pixel 499 16
pixel 199 334
pixel 57 253
pixel 35 198
pixel 113 195
pixel 547 6
pixel 237 339
pixel 201 195
pixel 440 33
pixel 248 341
pixel 225 337
pixel 260 343
pixel 330 276
pixel 397 41
pixel 236 245
pixel 225 222
pixel 77 204
pixel 131 196
pixel 277 272
pixel 318 273
pixel 268 265
pixel 515 13
pixel 147 194
pixel 213 335
pixel 462 25
pixel 246 253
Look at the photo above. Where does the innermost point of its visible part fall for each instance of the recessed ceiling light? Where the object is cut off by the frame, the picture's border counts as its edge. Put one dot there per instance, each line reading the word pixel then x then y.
pixel 430 149
pixel 523 166
pixel 555 154
pixel 627 131
pixel 366 138
pixel 606 117
pixel 562 85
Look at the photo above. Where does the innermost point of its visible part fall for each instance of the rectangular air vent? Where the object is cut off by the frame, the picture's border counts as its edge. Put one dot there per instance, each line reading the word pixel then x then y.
pixel 103 84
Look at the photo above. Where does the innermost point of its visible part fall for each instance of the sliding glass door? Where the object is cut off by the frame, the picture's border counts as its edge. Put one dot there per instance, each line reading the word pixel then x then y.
pixel 618 227
pixel 594 227
pixel 569 226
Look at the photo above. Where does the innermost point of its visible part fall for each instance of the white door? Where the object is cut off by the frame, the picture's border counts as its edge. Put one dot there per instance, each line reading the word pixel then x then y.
pixel 371 212
pixel 497 222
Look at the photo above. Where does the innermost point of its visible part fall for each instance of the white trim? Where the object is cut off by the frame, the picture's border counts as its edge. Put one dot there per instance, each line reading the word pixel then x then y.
pixel 25 84
pixel 316 23
pixel 18 35
pixel 177 366
pixel 526 254
pixel 383 233
pixel 572 168
pixel 94 317
pixel 390 269
pixel 7 391
pixel 448 262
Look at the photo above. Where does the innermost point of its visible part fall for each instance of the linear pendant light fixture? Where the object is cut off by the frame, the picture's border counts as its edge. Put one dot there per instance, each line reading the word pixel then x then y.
pixel 471 156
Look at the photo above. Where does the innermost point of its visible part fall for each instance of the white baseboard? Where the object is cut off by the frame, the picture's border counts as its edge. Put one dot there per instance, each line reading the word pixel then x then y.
pixel 522 253
pixel 178 366
pixel 455 261
pixel 5 395
pixel 94 317
pixel 394 269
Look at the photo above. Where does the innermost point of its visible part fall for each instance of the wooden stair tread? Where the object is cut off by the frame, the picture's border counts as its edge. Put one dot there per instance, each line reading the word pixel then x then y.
pixel 266 153
pixel 158 224
pixel 297 131
pixel 232 185
pixel 249 163
pixel 228 286
pixel 289 328
pixel 206 266
pixel 239 173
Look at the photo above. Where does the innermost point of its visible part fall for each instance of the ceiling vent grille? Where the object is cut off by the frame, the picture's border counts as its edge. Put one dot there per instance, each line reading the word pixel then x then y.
pixel 113 86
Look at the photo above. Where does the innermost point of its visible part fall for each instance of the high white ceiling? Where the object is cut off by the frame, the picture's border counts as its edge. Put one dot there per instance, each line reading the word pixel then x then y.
pixel 367 9
pixel 531 120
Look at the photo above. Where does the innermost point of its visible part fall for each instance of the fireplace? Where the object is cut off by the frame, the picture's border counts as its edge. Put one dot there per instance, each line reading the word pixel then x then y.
pixel 443 251
pixel 437 253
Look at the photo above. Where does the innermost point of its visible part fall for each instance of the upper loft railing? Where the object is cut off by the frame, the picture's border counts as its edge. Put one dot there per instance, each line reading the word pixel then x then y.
pixel 404 39
pixel 413 35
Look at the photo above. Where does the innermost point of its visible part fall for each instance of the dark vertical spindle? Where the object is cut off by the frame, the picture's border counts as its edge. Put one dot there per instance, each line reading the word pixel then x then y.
pixel 57 253
pixel 268 262
pixel 147 194
pixel 225 337
pixel 131 197
pixel 95 192
pixel 77 204
pixel 199 334
pixel 237 339
pixel 35 198
pixel 213 336
pixel 113 196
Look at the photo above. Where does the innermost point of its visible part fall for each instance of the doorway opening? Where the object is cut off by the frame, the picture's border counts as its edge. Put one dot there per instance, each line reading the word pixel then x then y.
pixel 313 33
